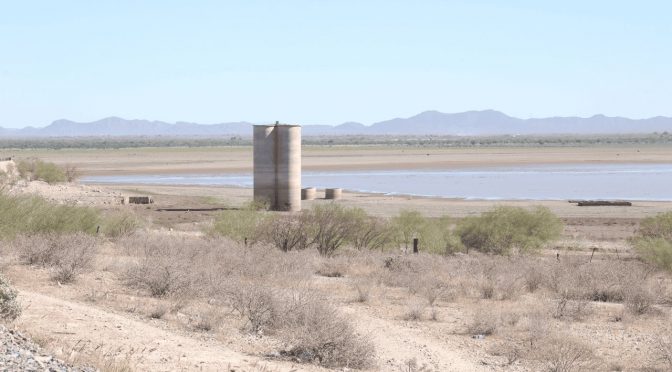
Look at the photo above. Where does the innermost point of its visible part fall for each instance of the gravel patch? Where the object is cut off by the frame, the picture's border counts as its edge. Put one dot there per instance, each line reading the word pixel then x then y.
pixel 19 353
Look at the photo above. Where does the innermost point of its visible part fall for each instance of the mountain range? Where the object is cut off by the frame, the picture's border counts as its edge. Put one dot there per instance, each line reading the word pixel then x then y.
pixel 470 123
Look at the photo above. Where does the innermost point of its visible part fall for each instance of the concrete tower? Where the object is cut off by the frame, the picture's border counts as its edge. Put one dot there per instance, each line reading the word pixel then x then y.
pixel 277 166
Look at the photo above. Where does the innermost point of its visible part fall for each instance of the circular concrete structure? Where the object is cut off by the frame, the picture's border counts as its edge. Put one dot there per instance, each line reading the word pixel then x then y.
pixel 333 194
pixel 277 166
pixel 308 193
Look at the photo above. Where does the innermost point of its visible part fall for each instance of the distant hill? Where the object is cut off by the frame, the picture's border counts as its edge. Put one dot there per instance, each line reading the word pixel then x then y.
pixel 472 123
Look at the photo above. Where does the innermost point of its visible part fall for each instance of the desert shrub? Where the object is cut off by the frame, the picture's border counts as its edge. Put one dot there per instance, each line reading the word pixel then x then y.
pixel 653 240
pixel 36 249
pixel 415 310
pixel 312 330
pixel 453 243
pixel 363 287
pixel 664 348
pixel 75 254
pixel 432 288
pixel 36 169
pixel 163 267
pixel 534 276
pixel 570 309
pixel 68 255
pixel 495 279
pixel 511 349
pixel 10 308
pixel 483 322
pixel 158 311
pixel 436 236
pixel 369 232
pixel 638 298
pixel 241 225
pixel 504 229
pixel 120 224
pixel 71 172
pixel 316 332
pixel 603 281
pixel 33 215
pixel 333 267
pixel 332 225
pixel 286 232
pixel 256 205
pixel 206 320
pixel 657 251
pixel 563 354
pixel 255 302
pixel 407 225
pixel 659 226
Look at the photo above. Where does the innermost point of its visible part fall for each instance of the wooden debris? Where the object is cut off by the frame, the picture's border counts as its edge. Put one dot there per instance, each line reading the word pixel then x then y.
pixel 603 203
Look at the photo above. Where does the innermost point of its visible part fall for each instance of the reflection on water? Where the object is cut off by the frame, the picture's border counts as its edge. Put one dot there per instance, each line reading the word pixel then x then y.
pixel 552 182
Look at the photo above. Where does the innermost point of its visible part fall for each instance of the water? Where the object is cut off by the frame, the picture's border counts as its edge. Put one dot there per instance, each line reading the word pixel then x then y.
pixel 541 182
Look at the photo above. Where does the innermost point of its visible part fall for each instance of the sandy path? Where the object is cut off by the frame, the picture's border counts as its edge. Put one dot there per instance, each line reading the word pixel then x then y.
pixel 71 326
pixel 396 345
pixel 151 348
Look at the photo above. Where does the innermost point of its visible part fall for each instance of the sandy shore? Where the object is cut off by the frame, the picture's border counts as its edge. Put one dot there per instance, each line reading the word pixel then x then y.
pixel 239 159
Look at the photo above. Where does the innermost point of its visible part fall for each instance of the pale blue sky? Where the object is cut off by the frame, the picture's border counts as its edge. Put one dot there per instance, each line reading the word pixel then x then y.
pixel 326 62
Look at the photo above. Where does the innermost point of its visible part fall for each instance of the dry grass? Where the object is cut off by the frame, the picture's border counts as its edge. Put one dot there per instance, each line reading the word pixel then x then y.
pixel 275 296
pixel 415 310
pixel 363 287
pixel 260 285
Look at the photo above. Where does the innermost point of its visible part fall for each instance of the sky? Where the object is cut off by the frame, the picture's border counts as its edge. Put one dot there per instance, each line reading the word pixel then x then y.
pixel 331 61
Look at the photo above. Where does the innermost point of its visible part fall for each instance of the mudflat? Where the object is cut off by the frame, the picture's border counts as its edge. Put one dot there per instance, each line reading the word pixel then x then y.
pixel 172 160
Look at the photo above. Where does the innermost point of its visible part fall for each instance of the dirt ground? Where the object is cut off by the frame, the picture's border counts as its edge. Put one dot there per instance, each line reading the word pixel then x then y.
pixel 98 318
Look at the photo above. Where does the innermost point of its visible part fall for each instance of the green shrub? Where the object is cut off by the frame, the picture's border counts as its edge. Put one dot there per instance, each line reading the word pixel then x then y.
pixel 435 234
pixel 407 225
pixel 33 214
pixel 369 232
pixel 657 251
pixel 286 232
pixel 36 169
pixel 331 226
pixel 504 229
pixel 117 225
pixel 241 225
pixel 659 226
pixel 653 240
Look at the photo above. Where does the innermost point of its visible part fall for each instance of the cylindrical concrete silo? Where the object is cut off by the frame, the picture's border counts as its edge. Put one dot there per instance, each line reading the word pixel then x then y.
pixel 277 166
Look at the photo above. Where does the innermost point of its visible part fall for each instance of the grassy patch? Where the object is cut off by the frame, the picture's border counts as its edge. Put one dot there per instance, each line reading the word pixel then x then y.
pixel 504 229
pixel 654 240
pixel 32 214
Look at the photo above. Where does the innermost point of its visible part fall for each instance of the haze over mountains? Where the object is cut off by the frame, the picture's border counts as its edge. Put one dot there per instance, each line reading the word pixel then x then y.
pixel 470 123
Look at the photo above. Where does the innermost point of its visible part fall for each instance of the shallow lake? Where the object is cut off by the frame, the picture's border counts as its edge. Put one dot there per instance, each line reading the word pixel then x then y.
pixel 541 182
